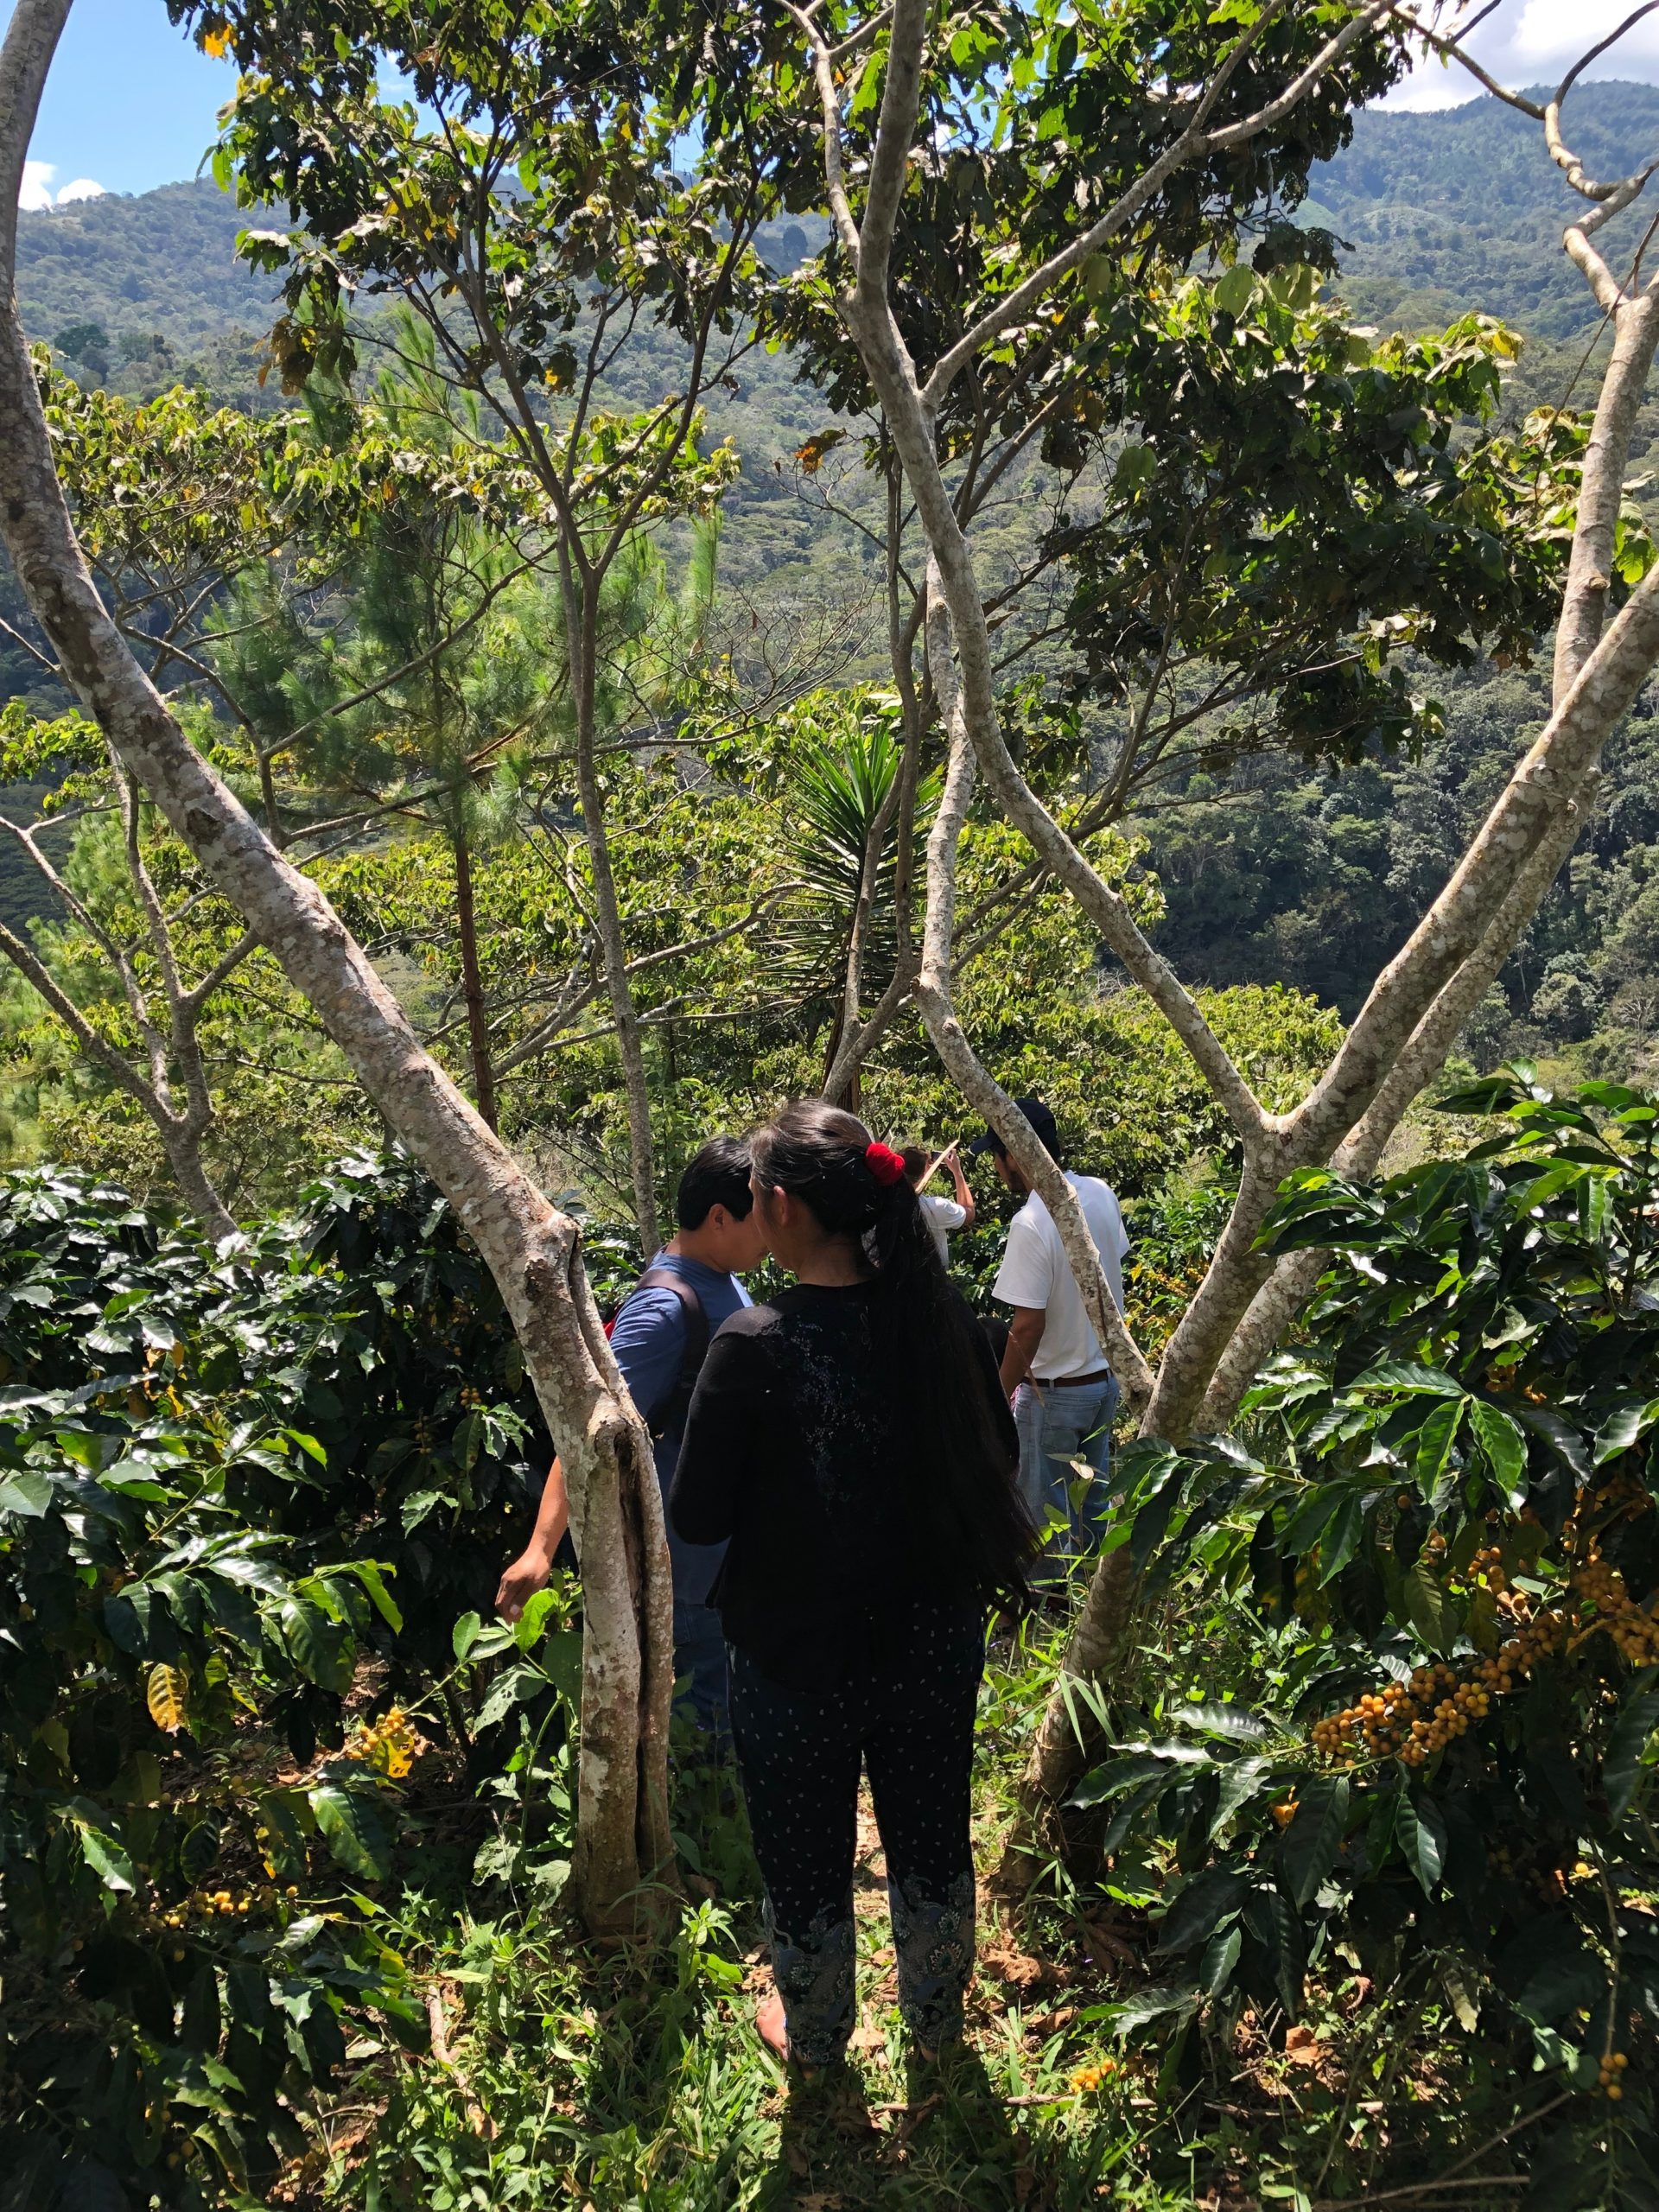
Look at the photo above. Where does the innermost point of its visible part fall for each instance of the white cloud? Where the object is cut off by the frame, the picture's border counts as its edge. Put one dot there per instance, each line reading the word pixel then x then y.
pixel 34 195
pixel 1533 43
pixel 80 188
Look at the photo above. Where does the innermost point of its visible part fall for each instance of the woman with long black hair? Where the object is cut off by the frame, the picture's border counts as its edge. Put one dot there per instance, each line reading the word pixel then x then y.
pixel 851 1440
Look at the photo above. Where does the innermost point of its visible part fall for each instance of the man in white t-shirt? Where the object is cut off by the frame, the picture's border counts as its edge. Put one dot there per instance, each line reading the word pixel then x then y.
pixel 1053 1368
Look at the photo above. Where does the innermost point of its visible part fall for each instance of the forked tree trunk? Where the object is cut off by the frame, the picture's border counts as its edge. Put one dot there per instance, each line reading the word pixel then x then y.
pixel 1488 891
pixel 532 1250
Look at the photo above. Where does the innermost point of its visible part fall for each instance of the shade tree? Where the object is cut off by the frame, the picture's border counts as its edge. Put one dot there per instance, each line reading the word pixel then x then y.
pixel 1098 136
pixel 1235 92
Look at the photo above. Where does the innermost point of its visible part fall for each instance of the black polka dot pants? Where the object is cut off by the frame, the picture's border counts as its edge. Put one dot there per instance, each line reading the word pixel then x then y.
pixel 909 1722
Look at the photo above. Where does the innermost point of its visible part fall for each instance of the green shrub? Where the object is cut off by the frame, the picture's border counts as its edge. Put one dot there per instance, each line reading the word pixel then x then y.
pixel 1447 1494
pixel 251 1505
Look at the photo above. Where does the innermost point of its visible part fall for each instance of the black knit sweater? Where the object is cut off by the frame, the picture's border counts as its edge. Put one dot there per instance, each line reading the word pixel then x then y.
pixel 798 1449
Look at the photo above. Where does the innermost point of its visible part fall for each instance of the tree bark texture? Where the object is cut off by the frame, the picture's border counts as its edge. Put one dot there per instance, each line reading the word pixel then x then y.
pixel 472 986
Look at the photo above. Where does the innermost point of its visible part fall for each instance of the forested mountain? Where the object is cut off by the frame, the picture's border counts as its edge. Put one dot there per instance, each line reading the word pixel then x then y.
pixel 1445 211
pixel 1278 874
pixel 1437 212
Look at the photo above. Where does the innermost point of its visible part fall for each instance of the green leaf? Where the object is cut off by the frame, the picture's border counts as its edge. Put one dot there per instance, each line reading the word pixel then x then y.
pixel 1220 1957
pixel 1199 1907
pixel 1622 1766
pixel 371 1574
pixel 1434 1441
pixel 1505 1448
pixel 1630 1419
pixel 1236 290
pixel 1234 1724
pixel 321 1648
pixel 1402 1375
pixel 561 1658
pixel 1147 2005
pixel 198 1850
pixel 527 1629
pixel 26 1494
pixel 1426 1607
pixel 1271 1919
pixel 105 1857
pixel 1341 1540
pixel 1102 1783
pixel 1419 1830
pixel 1242 1780
pixel 1311 1840
pixel 355 1828
pixel 465 1634
pixel 1562 1438
pixel 518 1683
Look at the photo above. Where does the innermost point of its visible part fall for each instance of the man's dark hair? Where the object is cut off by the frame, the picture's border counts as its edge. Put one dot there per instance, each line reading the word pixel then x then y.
pixel 1042 1122
pixel 718 1175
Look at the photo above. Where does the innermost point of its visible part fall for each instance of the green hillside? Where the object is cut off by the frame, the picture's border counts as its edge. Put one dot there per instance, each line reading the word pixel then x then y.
pixel 1281 874
pixel 1464 208
pixel 1440 212
pixel 163 261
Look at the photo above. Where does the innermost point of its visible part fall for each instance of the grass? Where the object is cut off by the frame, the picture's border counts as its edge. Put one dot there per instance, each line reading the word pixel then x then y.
pixel 618 2081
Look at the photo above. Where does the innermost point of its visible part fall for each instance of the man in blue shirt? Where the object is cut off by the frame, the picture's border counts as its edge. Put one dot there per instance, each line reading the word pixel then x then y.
pixel 659 1325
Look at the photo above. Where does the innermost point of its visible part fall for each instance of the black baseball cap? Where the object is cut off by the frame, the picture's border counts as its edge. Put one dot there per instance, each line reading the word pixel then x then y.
pixel 1042 1122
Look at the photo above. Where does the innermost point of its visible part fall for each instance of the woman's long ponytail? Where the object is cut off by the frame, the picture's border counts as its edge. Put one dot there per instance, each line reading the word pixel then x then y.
pixel 964 1497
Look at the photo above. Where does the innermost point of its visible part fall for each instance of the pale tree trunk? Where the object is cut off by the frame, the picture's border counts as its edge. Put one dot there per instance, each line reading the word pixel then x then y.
pixel 1484 899
pixel 472 986
pixel 532 1250
pixel 580 590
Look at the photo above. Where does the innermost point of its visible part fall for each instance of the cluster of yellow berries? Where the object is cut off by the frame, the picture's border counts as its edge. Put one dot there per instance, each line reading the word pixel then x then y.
pixel 1412 1720
pixel 391 1745
pixel 469 1396
pixel 223 1904
pixel 1612 2067
pixel 1632 1627
pixel 1089 2078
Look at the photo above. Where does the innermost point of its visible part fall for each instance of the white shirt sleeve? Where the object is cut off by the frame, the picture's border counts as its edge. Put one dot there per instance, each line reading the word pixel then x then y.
pixel 946 1213
pixel 1025 1277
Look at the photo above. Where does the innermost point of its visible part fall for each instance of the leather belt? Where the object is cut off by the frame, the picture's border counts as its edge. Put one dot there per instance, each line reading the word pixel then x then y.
pixel 1071 1382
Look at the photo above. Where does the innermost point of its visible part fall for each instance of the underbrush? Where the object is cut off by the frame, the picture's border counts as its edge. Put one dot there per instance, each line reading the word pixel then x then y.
pixel 623 2078
pixel 1357 1904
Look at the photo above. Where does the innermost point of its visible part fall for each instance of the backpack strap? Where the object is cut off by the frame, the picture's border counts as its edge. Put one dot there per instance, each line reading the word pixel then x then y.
pixel 667 1417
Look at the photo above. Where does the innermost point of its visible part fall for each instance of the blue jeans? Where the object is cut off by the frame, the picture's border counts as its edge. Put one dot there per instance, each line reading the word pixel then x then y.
pixel 1060 1424
pixel 700 1652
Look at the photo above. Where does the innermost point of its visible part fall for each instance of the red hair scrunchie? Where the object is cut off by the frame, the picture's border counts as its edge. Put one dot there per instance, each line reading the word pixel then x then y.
pixel 884 1163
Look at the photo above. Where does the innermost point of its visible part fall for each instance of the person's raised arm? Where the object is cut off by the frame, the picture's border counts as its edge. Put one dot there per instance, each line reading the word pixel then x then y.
pixel 962 1187
pixel 1025 1334
pixel 533 1568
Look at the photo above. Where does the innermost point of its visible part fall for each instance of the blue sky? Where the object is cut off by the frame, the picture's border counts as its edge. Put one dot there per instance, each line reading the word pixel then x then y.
pixel 131 102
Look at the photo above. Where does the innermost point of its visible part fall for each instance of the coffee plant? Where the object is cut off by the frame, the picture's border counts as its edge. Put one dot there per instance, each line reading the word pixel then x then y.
pixel 251 1504
pixel 1443 1501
